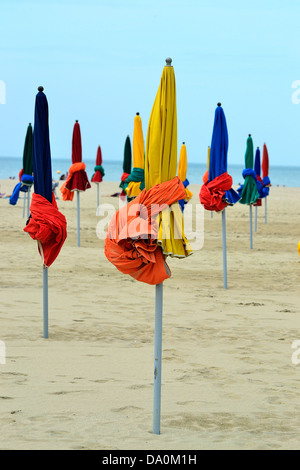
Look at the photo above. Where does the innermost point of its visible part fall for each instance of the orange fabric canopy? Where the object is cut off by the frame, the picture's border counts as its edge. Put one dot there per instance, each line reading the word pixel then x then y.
pixel 131 240
pixel 68 195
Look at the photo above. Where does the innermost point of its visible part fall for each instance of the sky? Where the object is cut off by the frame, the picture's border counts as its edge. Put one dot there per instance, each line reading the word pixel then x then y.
pixel 100 62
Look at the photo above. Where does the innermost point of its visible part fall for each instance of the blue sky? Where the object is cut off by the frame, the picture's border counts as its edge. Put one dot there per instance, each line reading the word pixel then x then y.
pixel 101 61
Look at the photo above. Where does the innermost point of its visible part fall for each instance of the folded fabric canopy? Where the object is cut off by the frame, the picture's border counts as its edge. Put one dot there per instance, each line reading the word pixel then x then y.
pixel 216 193
pixel 182 170
pixel 48 226
pixel 161 160
pixel 98 170
pixel 265 168
pixel 131 241
pixel 25 183
pixel 248 191
pixel 77 179
pixel 75 169
pixel 135 182
pixel 126 165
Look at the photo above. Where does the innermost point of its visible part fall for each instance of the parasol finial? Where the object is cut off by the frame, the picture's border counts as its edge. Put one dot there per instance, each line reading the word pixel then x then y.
pixel 183 143
pixel 219 104
pixel 249 135
pixel 168 61
pixel 40 88
pixel 76 120
pixel 137 114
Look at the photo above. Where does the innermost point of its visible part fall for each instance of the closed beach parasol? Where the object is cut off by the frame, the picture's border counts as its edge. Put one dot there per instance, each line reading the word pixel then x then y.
pixel 217 193
pixel 25 175
pixel 46 224
pixel 258 177
pixel 126 166
pixel 98 172
pixel 135 182
pixel 182 171
pixel 248 191
pixel 134 241
pixel 265 173
pixel 77 179
pixel 160 167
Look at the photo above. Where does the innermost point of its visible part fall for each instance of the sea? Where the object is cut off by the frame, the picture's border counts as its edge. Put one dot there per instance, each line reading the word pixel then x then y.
pixel 279 175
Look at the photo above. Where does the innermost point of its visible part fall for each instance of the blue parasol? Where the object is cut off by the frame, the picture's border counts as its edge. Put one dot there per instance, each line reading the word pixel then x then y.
pixel 42 173
pixel 41 158
pixel 46 224
pixel 257 162
pixel 257 169
pixel 216 194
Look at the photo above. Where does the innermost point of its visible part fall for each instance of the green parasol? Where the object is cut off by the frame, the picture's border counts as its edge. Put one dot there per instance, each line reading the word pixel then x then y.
pixel 126 164
pixel 249 193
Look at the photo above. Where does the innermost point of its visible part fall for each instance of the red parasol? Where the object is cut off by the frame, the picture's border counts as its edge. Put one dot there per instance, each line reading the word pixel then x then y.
pixel 265 162
pixel 97 176
pixel 77 179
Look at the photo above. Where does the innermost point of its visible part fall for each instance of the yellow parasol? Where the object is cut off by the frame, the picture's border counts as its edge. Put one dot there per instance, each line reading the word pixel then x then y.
pixel 160 167
pixel 136 178
pixel 208 157
pixel 182 170
pixel 161 162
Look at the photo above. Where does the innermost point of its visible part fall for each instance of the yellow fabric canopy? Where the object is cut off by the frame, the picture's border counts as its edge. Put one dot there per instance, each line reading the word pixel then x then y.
pixel 208 157
pixel 182 170
pixel 182 165
pixel 138 149
pixel 161 163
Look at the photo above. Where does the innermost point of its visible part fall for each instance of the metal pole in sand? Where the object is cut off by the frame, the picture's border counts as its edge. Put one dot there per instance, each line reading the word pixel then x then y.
pixel 251 235
pixel 255 223
pixel 45 301
pixel 265 210
pixel 98 197
pixel 224 249
pixel 24 204
pixel 28 203
pixel 78 220
pixel 157 357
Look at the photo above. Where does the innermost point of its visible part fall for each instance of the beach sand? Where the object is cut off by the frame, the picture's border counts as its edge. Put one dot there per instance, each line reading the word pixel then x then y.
pixel 228 379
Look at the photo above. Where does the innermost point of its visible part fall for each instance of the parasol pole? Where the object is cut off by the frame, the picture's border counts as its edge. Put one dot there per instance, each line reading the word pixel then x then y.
pixel 255 223
pixel 265 210
pixel 224 249
pixel 78 219
pixel 157 357
pixel 45 301
pixel 98 197
pixel 24 204
pixel 251 235
pixel 28 203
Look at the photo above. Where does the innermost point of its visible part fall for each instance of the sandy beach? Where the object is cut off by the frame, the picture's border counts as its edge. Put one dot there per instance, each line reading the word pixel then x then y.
pixel 228 379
